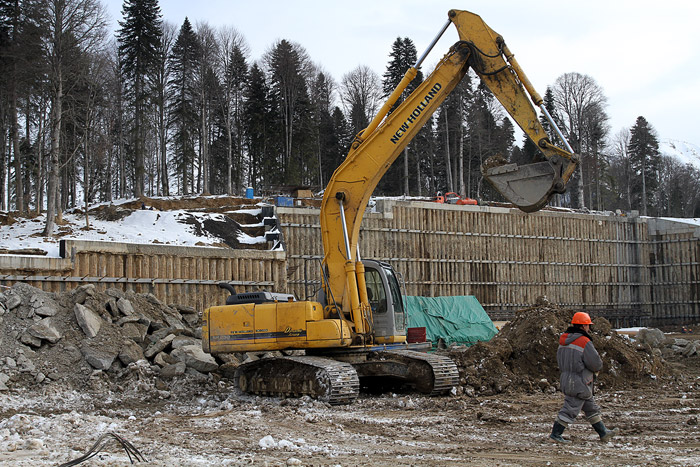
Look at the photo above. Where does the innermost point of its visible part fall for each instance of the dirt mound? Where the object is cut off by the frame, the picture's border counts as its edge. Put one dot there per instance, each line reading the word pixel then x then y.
pixel 523 355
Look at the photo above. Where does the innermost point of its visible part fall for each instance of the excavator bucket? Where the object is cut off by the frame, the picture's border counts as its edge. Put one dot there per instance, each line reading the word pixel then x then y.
pixel 529 187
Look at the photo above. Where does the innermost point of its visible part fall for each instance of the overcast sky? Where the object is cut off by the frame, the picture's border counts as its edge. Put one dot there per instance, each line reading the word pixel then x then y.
pixel 645 55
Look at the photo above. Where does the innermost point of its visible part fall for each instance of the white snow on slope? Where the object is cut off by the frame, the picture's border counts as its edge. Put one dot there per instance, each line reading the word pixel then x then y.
pixel 685 153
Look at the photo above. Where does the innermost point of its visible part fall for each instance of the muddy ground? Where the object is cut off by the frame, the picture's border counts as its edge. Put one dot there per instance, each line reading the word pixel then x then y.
pixel 63 389
pixel 205 425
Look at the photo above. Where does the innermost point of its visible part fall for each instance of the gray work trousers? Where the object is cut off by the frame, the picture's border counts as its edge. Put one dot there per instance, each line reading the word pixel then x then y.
pixel 573 406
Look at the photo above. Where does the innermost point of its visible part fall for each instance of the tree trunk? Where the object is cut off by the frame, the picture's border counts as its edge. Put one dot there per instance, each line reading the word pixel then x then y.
pixel 52 190
pixel 462 188
pixel 448 165
pixel 14 129
pixel 405 171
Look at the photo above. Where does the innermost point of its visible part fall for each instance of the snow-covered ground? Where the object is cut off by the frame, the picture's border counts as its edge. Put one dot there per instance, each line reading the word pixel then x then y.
pixel 685 153
pixel 140 226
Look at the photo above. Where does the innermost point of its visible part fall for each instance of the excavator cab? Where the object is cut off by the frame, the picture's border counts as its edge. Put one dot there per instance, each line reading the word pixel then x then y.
pixel 384 296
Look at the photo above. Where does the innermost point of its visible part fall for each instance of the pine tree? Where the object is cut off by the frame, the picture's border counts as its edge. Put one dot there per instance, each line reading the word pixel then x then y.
pixel 402 57
pixel 263 164
pixel 645 159
pixel 139 44
pixel 234 85
pixel 183 110
pixel 286 63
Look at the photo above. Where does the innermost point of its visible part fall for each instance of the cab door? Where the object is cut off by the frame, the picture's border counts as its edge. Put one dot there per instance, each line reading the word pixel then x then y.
pixel 384 295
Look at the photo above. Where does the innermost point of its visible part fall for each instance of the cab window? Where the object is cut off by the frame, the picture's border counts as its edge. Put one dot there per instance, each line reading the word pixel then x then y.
pixel 375 291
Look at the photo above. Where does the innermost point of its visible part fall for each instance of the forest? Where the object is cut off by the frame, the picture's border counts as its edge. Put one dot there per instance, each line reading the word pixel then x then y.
pixel 89 115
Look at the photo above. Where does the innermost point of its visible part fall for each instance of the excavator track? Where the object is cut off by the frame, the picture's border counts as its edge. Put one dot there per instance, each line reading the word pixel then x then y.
pixel 321 378
pixel 429 373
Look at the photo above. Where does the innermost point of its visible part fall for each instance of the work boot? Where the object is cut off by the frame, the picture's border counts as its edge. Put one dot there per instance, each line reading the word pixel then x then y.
pixel 605 434
pixel 557 431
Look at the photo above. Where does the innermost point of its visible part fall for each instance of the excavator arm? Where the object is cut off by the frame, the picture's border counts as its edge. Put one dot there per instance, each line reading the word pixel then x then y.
pixel 374 150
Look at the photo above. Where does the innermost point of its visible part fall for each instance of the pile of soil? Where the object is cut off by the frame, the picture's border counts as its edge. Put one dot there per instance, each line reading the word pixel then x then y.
pixel 523 355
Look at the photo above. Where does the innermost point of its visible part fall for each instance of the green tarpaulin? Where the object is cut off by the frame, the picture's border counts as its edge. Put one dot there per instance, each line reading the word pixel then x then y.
pixel 458 320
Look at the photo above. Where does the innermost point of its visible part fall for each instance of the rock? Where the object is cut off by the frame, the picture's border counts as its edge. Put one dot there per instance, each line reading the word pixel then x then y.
pixel 161 333
pixel 172 370
pixel 680 342
pixel 39 378
pixel 164 359
pixel 181 341
pixel 195 358
pixel 28 339
pixel 690 349
pixel 234 357
pixel 13 301
pixel 135 331
pixel 73 353
pixel 46 311
pixel 159 346
pixel 112 307
pixel 46 330
pixel 128 319
pixel 191 319
pixel 25 365
pixel 130 352
pixel 143 319
pixel 183 309
pixel 4 378
pixel 125 307
pixel 173 321
pixel 98 359
pixel 250 357
pixel 115 293
pixel 153 299
pixel 81 293
pixel 89 321
pixel 653 337
pixel 228 370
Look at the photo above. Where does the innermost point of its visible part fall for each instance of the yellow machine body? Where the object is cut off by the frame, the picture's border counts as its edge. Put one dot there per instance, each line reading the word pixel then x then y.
pixel 272 326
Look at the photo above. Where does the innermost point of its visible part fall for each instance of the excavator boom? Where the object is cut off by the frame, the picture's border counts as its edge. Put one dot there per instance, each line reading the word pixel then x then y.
pixel 529 187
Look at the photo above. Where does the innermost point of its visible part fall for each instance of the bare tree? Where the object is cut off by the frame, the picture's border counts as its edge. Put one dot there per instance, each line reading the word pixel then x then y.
pixel 621 166
pixel 72 24
pixel 361 95
pixel 577 98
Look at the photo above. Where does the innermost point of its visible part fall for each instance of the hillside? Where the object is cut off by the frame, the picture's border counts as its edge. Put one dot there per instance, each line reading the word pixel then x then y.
pixel 202 221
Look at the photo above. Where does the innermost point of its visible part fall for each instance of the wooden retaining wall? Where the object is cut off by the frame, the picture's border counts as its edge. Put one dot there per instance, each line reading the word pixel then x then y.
pixel 174 274
pixel 628 267
pixel 604 264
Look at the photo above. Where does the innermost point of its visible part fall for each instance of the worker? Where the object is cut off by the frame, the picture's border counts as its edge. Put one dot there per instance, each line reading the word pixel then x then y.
pixel 579 363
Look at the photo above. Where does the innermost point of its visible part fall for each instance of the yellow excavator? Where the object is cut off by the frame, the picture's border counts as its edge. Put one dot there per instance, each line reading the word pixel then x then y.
pixel 356 329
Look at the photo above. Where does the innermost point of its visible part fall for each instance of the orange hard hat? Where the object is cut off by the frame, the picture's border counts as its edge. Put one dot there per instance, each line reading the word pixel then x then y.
pixel 581 318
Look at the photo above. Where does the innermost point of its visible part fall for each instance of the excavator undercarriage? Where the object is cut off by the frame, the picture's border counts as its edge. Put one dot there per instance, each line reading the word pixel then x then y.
pixel 338 382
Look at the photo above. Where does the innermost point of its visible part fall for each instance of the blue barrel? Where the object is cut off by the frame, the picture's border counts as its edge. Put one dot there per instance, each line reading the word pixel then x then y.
pixel 249 193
